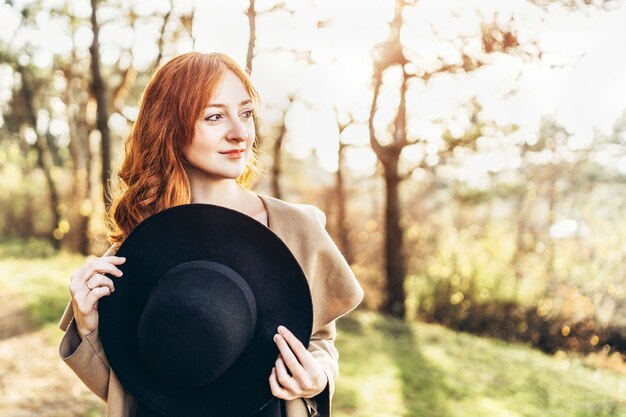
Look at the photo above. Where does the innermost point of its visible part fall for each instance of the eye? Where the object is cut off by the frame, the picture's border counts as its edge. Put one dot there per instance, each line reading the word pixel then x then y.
pixel 213 117
pixel 248 113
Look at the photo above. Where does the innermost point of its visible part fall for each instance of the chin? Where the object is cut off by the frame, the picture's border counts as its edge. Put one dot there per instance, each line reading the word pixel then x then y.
pixel 223 172
pixel 227 175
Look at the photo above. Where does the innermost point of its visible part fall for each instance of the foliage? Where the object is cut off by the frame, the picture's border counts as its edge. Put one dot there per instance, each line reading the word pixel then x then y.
pixel 531 240
pixel 24 207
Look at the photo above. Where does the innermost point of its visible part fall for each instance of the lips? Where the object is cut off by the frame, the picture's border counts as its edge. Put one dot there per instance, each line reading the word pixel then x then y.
pixel 233 151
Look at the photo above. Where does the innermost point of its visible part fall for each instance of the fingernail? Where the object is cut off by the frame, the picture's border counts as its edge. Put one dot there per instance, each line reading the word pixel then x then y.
pixel 281 328
pixel 276 338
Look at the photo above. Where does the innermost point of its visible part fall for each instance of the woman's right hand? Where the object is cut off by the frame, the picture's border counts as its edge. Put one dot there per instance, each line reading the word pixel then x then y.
pixel 88 285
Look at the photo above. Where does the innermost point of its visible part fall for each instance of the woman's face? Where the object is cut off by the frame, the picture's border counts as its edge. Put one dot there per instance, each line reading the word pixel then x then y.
pixel 224 133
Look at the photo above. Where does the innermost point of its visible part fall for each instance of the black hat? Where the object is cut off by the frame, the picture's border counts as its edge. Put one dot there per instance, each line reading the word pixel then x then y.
pixel 189 329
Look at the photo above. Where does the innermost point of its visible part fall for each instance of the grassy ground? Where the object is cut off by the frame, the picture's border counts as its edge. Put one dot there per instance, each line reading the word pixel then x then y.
pixel 392 368
pixel 388 367
pixel 40 283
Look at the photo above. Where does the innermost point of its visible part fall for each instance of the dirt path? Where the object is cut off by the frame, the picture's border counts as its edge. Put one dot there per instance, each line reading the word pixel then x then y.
pixel 34 381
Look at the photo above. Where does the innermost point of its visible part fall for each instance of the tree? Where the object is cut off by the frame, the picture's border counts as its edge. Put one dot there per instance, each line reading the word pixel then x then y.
pixel 390 55
pixel 102 121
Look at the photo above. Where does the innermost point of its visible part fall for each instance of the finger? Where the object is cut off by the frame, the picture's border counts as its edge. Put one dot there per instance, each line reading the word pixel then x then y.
pixel 100 265
pixel 289 358
pixel 277 390
pixel 80 287
pixel 286 380
pixel 115 260
pixel 80 277
pixel 96 294
pixel 89 302
pixel 303 355
pixel 105 263
pixel 99 280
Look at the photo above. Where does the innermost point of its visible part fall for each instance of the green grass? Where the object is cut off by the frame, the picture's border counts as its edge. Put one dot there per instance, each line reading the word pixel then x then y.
pixel 26 248
pixel 392 368
pixel 40 283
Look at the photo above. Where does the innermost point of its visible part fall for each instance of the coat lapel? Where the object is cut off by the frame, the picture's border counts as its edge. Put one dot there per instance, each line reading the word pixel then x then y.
pixel 335 290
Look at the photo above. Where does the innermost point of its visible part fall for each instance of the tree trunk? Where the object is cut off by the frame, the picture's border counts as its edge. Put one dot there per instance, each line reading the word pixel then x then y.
pixel 98 90
pixel 80 225
pixel 44 159
pixel 252 37
pixel 277 165
pixel 342 218
pixel 166 18
pixel 394 256
pixel 389 54
pixel 277 153
pixel 551 218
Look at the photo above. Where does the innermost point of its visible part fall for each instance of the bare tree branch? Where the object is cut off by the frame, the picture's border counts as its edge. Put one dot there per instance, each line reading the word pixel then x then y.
pixel 251 13
pixel 166 18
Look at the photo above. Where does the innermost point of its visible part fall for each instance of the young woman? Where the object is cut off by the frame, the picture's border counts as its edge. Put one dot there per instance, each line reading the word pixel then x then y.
pixel 193 142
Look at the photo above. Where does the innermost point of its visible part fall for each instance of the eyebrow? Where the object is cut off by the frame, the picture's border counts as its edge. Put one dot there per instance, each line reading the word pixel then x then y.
pixel 248 101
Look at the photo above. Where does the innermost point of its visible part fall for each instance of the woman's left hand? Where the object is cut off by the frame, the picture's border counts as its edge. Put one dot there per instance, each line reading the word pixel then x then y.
pixel 307 377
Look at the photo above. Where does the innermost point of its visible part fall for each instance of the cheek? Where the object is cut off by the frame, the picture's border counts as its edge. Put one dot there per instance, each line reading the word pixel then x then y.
pixel 251 133
pixel 205 138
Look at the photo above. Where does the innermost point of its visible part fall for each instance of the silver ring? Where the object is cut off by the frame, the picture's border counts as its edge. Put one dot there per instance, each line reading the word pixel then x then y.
pixel 87 284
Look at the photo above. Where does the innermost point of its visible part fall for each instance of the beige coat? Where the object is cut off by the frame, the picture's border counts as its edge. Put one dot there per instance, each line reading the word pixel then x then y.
pixel 334 291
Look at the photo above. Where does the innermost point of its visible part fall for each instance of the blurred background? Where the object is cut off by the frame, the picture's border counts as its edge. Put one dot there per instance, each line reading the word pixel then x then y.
pixel 470 157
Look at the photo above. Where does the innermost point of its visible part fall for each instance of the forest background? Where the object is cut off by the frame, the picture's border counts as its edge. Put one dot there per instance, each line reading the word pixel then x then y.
pixel 470 155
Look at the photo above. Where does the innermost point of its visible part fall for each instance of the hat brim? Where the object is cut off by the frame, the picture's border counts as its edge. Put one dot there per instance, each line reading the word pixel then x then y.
pixel 205 232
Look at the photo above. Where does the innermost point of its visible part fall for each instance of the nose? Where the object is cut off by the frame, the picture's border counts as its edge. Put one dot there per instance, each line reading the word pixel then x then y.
pixel 237 131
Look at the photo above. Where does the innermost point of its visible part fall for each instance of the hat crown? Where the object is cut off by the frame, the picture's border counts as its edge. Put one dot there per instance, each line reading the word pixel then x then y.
pixel 198 320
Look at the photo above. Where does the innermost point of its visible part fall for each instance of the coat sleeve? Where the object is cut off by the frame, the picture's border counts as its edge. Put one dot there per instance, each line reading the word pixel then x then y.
pixel 322 345
pixel 85 357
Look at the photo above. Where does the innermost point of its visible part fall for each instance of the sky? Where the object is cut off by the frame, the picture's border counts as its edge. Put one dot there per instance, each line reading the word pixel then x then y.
pixel 580 81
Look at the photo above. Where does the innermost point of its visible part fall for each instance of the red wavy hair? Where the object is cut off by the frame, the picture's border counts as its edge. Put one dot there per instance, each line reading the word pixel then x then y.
pixel 152 177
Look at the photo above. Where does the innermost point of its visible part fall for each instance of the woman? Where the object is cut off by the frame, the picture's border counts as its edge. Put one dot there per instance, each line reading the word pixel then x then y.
pixel 193 142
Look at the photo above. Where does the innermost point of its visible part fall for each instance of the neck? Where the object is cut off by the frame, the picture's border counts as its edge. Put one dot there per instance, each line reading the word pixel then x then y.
pixel 220 192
